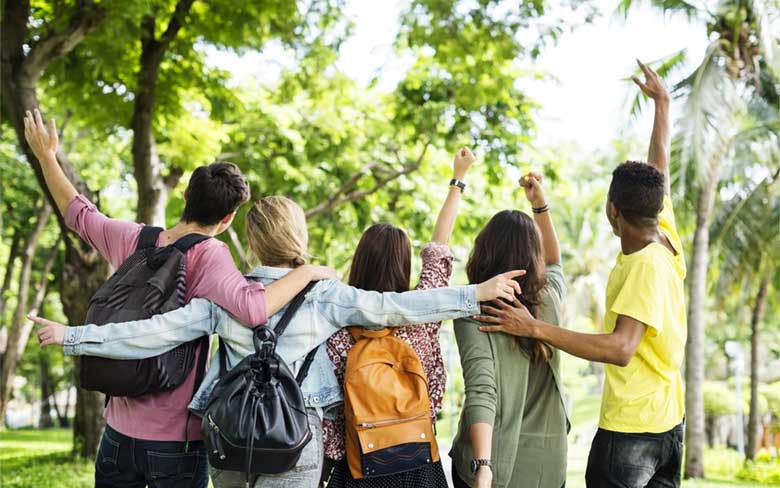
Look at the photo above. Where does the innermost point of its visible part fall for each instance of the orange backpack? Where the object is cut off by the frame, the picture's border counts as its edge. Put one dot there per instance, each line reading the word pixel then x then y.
pixel 389 427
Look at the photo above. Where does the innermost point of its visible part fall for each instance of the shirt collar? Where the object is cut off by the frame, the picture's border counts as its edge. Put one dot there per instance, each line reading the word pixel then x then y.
pixel 268 272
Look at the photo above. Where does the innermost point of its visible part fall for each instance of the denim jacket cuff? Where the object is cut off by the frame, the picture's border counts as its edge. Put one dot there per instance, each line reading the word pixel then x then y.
pixel 74 337
pixel 468 297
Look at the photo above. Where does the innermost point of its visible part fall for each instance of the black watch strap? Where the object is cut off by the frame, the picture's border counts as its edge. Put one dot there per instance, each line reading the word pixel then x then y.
pixel 477 463
pixel 459 183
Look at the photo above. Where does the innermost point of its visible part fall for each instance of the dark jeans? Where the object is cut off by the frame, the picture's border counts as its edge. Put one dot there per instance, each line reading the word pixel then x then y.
pixel 621 460
pixel 125 462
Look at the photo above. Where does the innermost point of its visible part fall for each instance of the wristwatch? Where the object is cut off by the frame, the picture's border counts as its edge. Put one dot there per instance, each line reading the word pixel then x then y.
pixel 459 183
pixel 476 463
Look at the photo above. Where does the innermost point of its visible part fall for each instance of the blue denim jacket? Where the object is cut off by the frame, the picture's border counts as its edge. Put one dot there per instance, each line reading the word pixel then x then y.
pixel 329 306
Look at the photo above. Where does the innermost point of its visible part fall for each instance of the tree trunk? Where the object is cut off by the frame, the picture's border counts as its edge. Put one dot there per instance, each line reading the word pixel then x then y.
pixel 695 433
pixel 7 277
pixel 20 328
pixel 45 421
pixel 759 308
pixel 21 66
pixel 88 421
pixel 147 168
pixel 62 417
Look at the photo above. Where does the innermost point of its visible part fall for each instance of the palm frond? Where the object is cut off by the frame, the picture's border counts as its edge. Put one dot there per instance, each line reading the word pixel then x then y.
pixel 746 237
pixel 691 10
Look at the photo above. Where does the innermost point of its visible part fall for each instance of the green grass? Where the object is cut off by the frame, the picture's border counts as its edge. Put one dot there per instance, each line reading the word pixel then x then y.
pixel 42 459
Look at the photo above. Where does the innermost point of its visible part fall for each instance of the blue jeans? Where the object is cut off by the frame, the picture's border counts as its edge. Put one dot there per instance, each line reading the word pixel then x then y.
pixel 623 460
pixel 126 462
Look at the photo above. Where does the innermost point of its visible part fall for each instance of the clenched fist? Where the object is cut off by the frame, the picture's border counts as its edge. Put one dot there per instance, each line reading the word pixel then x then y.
pixel 464 158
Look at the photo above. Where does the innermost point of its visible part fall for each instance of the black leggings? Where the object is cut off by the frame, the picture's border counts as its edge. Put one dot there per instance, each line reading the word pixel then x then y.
pixel 457 480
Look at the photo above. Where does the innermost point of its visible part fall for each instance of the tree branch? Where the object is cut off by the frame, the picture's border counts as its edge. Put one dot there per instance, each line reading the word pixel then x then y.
pixel 239 248
pixel 85 19
pixel 9 270
pixel 343 195
pixel 43 280
pixel 176 22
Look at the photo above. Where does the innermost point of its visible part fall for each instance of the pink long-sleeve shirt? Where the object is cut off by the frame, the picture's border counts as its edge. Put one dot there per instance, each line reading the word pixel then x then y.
pixel 211 273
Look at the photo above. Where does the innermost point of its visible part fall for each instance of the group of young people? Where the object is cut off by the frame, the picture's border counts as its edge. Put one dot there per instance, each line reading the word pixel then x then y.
pixel 508 323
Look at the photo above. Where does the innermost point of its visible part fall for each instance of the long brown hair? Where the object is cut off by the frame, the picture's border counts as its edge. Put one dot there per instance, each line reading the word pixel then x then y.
pixel 382 260
pixel 511 241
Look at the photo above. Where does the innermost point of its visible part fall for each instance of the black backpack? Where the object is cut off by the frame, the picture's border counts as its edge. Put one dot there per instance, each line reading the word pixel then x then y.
pixel 255 420
pixel 149 282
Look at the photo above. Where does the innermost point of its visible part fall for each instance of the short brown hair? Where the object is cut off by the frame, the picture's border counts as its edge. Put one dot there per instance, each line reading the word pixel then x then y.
pixel 382 260
pixel 213 192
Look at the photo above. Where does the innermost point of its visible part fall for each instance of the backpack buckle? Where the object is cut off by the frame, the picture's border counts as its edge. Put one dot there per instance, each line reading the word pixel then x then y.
pixel 265 342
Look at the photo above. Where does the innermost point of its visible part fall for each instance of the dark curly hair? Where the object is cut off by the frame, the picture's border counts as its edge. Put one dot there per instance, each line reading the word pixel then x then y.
pixel 637 191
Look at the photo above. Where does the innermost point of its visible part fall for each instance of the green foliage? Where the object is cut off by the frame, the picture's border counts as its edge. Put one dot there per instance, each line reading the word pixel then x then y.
pixel 771 393
pixel 719 400
pixel 764 472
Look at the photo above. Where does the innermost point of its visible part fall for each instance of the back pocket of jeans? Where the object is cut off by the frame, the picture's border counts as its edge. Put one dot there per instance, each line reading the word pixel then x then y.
pixel 107 456
pixel 172 465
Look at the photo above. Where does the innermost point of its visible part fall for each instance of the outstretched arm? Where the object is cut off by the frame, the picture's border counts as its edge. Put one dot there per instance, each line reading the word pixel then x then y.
pixel 43 141
pixel 658 155
pixel 136 339
pixel 532 184
pixel 446 220
pixel 345 305
pixel 616 347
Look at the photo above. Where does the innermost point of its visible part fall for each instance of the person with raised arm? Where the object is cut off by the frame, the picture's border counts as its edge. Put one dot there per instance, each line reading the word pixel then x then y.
pixel 640 438
pixel 382 262
pixel 278 237
pixel 513 425
pixel 159 421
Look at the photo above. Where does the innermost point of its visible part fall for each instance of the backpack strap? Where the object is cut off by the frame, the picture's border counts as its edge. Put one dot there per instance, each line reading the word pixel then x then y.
pixel 148 237
pixel 222 351
pixel 200 372
pixel 304 371
pixel 293 307
pixel 186 242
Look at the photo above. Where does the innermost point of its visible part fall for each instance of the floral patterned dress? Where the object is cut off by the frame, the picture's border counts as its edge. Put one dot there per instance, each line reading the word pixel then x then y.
pixel 424 339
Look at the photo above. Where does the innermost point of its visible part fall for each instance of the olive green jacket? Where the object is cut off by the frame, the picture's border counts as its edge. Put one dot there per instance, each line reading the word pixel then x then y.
pixel 523 401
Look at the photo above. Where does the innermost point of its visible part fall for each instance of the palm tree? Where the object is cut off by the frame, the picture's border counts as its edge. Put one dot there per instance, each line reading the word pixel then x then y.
pixel 748 242
pixel 719 123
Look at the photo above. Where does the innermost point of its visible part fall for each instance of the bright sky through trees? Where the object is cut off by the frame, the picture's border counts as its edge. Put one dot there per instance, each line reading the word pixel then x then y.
pixel 586 101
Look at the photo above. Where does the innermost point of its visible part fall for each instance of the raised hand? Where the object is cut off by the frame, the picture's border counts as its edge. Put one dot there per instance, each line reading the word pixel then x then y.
pixel 500 286
pixel 653 86
pixel 51 333
pixel 464 158
pixel 42 138
pixel 532 184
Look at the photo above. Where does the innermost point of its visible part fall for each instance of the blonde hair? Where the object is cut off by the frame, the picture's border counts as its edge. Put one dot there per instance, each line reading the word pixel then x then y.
pixel 276 231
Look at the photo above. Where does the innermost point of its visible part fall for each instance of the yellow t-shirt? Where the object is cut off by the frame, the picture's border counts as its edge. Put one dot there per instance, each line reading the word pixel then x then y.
pixel 647 285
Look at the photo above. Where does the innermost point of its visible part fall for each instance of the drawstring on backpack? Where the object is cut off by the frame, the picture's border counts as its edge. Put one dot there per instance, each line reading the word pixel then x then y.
pixel 251 444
